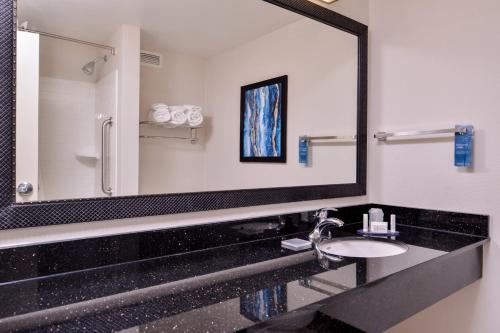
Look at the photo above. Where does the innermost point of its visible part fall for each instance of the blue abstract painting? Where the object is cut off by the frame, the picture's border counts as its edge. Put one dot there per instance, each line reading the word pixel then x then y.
pixel 265 303
pixel 263 110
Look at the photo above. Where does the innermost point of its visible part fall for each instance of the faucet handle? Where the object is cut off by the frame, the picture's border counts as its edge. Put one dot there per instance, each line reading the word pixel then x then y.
pixel 322 213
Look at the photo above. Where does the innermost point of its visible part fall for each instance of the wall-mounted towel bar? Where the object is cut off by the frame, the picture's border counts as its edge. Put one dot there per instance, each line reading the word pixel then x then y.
pixel 331 137
pixel 463 139
pixel 305 142
pixel 382 136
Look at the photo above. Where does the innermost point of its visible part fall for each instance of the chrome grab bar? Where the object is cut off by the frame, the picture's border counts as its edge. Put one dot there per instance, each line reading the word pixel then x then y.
pixel 106 125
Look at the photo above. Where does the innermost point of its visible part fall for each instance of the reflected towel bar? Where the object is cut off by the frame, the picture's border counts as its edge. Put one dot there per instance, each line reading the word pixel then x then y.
pixel 382 136
pixel 331 137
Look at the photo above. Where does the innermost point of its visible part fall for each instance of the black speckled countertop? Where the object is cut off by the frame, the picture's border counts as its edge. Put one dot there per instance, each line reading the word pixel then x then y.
pixel 235 276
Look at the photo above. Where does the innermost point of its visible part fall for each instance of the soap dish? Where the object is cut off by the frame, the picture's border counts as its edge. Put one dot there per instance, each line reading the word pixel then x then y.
pixel 296 244
pixel 370 233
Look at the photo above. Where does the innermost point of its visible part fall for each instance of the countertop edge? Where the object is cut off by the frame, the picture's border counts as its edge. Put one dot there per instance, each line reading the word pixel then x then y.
pixel 367 307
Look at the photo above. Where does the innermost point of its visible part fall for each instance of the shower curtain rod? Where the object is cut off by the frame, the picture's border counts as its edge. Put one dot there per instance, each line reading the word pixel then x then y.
pixel 111 49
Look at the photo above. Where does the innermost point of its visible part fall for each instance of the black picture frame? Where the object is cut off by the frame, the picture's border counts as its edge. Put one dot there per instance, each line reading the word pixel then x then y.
pixel 44 213
pixel 283 99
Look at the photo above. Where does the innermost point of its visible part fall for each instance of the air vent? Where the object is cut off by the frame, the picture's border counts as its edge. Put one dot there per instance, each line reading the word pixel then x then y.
pixel 150 59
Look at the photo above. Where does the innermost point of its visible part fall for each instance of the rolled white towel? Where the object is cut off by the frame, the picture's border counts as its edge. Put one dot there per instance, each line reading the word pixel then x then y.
pixel 194 117
pixel 159 106
pixel 178 115
pixel 160 115
pixel 193 107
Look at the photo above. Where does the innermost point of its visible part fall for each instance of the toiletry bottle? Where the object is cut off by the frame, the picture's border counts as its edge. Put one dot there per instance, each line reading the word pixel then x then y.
pixel 366 226
pixel 393 223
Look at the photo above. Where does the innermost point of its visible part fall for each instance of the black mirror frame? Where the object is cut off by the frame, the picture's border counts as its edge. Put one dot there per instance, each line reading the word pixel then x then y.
pixel 22 215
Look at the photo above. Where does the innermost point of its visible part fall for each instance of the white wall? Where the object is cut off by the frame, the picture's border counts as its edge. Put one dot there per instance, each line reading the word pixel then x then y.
pixel 64 60
pixel 433 64
pixel 355 9
pixel 27 94
pixel 127 41
pixel 179 81
pixel 171 166
pixel 321 64
pixel 321 101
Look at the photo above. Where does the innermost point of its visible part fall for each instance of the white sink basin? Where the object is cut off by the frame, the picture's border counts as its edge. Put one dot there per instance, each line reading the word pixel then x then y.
pixel 361 247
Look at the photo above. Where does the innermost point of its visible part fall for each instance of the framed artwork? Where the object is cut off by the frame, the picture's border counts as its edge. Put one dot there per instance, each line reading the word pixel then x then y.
pixel 263 121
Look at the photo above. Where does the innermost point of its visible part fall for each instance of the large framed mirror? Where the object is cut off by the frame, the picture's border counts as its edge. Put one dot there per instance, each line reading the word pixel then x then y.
pixel 126 108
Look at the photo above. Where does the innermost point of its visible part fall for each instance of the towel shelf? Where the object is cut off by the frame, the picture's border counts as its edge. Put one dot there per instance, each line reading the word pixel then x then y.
pixel 167 125
pixel 193 131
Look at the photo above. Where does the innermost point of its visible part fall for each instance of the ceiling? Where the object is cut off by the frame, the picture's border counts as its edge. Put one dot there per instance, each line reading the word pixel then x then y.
pixel 201 28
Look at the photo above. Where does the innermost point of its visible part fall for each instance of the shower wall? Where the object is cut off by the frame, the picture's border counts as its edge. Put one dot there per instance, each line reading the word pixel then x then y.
pixel 68 155
pixel 66 128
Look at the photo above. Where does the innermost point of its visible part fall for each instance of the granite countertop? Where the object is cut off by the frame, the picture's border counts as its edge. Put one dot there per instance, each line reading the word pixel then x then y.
pixel 251 285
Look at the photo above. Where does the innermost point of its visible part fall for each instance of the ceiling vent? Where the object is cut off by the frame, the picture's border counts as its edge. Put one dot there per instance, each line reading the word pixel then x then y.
pixel 151 59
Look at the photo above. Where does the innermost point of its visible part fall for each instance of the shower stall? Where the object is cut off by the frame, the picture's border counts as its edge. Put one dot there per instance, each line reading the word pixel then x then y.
pixel 73 118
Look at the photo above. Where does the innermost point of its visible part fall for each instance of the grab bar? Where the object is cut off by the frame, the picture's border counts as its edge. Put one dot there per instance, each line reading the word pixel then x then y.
pixel 106 124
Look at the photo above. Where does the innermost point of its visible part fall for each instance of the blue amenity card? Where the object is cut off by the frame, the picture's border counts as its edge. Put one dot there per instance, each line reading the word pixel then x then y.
pixel 463 145
pixel 303 150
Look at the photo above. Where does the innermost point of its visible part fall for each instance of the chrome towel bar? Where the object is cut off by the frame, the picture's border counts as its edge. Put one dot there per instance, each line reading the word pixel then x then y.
pixel 382 136
pixel 331 137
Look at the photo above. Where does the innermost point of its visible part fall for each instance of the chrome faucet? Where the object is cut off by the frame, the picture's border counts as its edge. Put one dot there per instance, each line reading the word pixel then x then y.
pixel 323 221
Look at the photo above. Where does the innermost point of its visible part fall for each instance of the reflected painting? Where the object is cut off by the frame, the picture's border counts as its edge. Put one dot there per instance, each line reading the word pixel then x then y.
pixel 264 304
pixel 263 121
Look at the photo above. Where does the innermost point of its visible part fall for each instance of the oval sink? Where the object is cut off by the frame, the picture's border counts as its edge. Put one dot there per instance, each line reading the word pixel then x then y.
pixel 361 247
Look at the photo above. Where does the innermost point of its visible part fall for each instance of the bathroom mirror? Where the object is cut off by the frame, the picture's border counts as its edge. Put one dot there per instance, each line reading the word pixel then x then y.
pixel 198 104
pixel 155 56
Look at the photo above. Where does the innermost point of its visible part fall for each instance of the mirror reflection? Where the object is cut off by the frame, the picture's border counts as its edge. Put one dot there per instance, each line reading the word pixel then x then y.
pixel 132 97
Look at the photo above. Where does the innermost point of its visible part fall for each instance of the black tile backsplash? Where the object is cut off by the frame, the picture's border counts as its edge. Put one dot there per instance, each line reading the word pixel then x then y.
pixel 471 224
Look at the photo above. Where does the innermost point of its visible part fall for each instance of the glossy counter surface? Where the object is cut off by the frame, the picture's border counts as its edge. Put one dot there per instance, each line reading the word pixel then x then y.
pixel 252 285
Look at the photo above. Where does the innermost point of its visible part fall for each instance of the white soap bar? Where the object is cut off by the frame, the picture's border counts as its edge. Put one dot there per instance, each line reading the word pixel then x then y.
pixel 296 244
pixel 378 227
